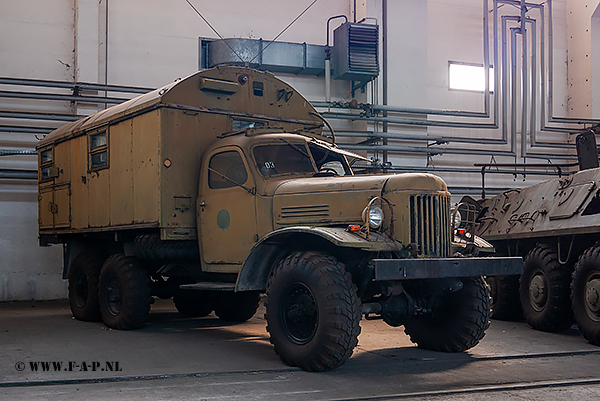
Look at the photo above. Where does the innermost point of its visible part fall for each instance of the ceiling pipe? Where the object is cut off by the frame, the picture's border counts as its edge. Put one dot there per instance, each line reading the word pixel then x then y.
pixel 18 174
pixel 73 86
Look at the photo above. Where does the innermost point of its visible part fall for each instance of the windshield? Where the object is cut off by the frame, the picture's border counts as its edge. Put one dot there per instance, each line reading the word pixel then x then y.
pixel 328 161
pixel 288 158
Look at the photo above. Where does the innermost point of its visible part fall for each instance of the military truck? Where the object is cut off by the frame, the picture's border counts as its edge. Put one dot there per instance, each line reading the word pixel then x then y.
pixel 221 187
pixel 555 226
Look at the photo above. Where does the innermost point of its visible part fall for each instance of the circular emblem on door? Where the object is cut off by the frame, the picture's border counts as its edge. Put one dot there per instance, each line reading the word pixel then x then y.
pixel 223 219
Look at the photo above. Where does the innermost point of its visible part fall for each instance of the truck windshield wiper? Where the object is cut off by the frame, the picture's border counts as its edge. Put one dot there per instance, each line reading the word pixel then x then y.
pixel 250 191
pixel 295 147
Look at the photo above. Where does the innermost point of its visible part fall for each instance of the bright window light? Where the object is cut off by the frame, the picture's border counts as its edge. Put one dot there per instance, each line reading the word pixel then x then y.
pixel 469 77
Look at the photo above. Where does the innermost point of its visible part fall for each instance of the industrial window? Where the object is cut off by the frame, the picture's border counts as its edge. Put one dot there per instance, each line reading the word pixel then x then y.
pixel 46 164
pixel 226 170
pixel 98 151
pixel 470 77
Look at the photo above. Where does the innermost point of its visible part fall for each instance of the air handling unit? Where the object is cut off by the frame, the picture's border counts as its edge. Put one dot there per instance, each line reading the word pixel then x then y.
pixel 355 52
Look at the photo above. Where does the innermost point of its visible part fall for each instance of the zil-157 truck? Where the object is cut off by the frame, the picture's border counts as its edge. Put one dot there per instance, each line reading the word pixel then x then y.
pixel 221 187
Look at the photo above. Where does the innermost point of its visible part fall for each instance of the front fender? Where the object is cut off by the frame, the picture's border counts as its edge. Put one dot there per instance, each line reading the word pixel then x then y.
pixel 278 244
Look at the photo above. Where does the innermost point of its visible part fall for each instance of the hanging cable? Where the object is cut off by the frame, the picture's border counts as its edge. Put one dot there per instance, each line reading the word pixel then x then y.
pixel 284 29
pixel 215 31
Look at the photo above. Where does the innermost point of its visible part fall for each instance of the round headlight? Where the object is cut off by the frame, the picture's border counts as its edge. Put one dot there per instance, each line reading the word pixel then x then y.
pixel 456 218
pixel 375 216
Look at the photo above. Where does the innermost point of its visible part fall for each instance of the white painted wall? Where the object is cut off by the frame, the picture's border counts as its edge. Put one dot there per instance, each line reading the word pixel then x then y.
pixel 579 57
pixel 152 42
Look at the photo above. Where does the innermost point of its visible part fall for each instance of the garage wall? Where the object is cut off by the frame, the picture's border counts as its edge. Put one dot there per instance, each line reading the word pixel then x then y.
pixel 150 43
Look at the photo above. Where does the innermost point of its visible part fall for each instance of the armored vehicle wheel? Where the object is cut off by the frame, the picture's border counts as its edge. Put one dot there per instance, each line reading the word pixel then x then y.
pixel 545 290
pixel 458 320
pixel 504 291
pixel 313 312
pixel 585 294
pixel 193 303
pixel 236 306
pixel 83 287
pixel 124 293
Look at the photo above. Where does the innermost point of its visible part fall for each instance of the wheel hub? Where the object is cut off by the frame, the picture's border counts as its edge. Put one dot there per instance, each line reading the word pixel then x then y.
pixel 300 313
pixel 114 296
pixel 537 292
pixel 81 290
pixel 592 295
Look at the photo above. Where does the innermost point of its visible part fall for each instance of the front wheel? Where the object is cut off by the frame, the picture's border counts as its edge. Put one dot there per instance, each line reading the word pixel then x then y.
pixel 456 321
pixel 124 293
pixel 585 294
pixel 313 311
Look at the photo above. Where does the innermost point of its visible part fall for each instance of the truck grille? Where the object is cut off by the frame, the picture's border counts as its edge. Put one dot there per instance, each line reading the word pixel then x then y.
pixel 430 224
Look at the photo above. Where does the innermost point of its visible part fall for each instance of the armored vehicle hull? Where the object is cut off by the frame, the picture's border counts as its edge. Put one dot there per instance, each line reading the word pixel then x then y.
pixel 555 226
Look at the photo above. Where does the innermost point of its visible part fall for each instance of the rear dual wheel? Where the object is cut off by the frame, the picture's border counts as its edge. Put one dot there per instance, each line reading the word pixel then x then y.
pixel 236 306
pixel 124 293
pixel 193 303
pixel 84 274
pixel 231 306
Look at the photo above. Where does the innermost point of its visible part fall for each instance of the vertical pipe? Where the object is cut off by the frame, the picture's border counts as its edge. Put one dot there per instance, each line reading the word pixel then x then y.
pixel 498 92
pixel 514 96
pixel 384 23
pixel 106 46
pixel 504 80
pixel 524 79
pixel 75 38
pixel 524 86
pixel 75 48
pixel 486 60
pixel 327 80
pixel 543 76
pixel 103 46
pixel 533 82
pixel 550 63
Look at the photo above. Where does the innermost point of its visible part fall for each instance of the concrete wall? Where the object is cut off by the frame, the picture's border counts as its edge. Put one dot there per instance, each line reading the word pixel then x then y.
pixel 152 42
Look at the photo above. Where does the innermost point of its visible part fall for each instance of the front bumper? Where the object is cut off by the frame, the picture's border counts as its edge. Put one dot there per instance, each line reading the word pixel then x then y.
pixel 411 269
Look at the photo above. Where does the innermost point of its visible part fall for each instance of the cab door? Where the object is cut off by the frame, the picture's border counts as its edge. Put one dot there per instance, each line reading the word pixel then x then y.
pixel 226 210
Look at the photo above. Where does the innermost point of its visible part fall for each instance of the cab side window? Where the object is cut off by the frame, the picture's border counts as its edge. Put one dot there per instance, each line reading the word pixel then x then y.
pixel 226 170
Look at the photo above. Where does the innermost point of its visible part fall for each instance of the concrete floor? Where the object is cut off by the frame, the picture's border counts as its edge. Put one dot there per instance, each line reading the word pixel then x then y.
pixel 178 358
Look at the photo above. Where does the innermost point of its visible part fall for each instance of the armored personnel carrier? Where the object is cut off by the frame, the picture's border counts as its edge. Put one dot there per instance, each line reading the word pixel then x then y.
pixel 555 227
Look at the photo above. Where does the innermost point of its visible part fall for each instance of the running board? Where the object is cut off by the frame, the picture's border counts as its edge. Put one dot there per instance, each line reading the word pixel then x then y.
pixel 206 286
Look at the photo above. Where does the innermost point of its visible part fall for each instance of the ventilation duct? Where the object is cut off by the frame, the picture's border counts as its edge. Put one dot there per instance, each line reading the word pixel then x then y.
pixel 285 57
